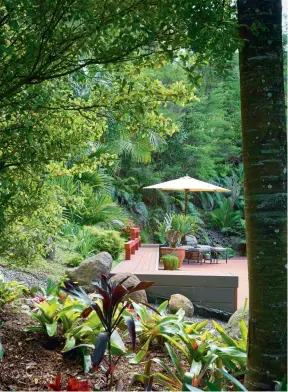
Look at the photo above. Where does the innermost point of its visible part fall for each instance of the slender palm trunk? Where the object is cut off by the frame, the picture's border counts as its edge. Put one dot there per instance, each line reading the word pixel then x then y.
pixel 264 156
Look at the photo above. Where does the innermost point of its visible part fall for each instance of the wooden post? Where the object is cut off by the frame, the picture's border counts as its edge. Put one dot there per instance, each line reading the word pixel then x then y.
pixel 186 201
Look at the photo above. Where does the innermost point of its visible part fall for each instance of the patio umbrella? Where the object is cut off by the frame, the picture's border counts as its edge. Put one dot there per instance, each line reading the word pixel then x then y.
pixel 187 184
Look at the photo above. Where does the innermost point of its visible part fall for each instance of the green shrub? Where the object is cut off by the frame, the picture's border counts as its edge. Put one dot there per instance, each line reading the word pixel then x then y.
pixel 230 252
pixel 170 262
pixel 74 260
pixel 11 291
pixel 106 240
pixel 144 237
pixel 85 241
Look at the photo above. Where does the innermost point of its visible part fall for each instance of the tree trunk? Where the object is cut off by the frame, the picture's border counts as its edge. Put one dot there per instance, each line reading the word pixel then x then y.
pixel 264 156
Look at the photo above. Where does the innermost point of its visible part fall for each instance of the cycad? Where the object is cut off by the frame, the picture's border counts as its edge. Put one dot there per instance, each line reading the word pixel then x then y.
pixel 88 202
pixel 100 209
pixel 224 217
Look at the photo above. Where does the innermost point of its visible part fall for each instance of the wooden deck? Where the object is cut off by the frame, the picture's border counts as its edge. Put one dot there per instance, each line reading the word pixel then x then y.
pixel 222 286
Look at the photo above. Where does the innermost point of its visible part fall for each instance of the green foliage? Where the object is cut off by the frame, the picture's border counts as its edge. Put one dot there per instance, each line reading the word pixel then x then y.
pixel 225 217
pixel 111 316
pixel 85 243
pixel 170 262
pixel 86 201
pixel 74 261
pixel 175 227
pixel 282 385
pixel 46 316
pixel 60 318
pixel 89 240
pixel 145 238
pixel 151 326
pixel 208 357
pixel 207 146
pixel 11 291
pixel 64 116
pixel 106 240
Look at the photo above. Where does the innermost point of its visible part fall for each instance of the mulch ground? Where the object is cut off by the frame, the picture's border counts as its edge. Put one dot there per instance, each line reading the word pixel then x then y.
pixel 28 365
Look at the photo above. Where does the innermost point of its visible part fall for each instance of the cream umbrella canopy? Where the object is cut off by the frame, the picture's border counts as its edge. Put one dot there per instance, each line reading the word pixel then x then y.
pixel 187 184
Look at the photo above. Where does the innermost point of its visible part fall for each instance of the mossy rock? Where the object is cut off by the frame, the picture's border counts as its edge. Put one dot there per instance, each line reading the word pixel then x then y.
pixel 232 328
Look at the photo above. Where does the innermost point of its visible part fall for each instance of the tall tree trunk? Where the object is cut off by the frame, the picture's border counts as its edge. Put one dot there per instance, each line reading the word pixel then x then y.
pixel 264 156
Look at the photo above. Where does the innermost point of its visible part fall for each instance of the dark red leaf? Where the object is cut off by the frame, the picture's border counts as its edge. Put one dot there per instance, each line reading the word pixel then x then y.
pixel 100 348
pixel 106 280
pixel 86 312
pixel 56 385
pixel 124 280
pixel 131 329
pixel 118 293
pixel 99 313
pixel 106 301
pixel 141 286
pixel 75 385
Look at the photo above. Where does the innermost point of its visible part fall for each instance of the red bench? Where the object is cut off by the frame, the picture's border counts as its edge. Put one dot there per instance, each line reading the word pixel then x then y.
pixel 134 233
pixel 134 243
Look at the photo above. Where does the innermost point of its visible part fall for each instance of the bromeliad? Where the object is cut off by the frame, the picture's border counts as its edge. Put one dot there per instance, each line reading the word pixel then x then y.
pixel 111 314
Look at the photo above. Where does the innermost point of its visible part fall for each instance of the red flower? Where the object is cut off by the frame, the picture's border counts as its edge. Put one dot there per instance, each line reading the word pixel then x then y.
pixel 39 298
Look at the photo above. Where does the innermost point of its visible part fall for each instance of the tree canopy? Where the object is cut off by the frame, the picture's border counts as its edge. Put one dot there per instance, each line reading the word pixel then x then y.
pixel 71 72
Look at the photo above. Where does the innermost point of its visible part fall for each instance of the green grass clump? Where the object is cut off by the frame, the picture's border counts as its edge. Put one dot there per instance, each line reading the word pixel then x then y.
pixel 170 262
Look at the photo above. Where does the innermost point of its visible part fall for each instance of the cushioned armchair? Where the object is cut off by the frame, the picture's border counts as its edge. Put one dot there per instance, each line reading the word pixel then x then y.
pixel 208 252
pixel 191 243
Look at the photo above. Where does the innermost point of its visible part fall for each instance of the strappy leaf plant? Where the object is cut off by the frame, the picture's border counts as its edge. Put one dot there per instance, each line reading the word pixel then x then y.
pixel 111 314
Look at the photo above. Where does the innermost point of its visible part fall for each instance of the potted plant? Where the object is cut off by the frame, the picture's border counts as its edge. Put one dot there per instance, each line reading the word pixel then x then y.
pixel 172 232
pixel 170 262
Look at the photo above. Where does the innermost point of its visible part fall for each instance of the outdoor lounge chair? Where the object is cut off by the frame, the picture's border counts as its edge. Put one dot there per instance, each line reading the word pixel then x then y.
pixel 193 255
pixel 191 244
pixel 208 252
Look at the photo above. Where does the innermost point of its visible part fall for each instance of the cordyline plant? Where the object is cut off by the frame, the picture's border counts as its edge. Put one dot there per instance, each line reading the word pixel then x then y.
pixel 113 297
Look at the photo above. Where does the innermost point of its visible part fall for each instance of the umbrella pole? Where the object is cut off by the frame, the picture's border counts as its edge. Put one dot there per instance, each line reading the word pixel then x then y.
pixel 186 201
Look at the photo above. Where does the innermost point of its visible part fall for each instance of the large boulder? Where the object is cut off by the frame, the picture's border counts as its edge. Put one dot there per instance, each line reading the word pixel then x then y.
pixel 179 301
pixel 2 276
pixel 139 296
pixel 91 269
pixel 232 328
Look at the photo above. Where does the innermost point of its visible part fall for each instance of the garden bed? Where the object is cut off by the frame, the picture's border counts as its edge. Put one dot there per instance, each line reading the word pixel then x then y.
pixel 28 365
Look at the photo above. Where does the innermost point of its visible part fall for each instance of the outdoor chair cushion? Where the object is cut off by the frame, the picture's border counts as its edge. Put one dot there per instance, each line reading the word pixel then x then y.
pixel 204 248
pixel 191 240
pixel 218 249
